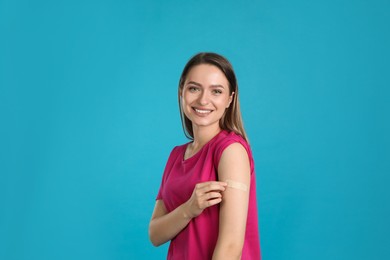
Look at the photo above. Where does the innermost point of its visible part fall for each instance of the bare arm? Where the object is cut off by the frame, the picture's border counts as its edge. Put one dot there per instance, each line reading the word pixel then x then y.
pixel 164 226
pixel 234 165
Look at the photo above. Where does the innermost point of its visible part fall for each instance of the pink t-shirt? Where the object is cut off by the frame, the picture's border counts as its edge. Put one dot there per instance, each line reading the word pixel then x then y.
pixel 198 239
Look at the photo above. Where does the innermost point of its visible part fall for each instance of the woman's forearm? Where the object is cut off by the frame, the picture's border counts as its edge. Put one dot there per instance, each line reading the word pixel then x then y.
pixel 165 227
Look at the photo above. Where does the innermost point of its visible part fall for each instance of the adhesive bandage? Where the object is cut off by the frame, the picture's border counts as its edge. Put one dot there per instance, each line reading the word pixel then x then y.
pixel 237 185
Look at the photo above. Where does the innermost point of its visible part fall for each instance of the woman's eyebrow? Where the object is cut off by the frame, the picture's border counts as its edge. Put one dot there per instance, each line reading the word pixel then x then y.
pixel 217 86
pixel 200 85
pixel 194 83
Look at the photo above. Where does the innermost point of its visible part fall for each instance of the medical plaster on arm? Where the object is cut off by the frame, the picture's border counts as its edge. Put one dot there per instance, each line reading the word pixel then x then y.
pixel 236 185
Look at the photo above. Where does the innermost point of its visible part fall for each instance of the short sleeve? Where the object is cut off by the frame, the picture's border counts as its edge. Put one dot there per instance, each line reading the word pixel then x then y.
pixel 228 140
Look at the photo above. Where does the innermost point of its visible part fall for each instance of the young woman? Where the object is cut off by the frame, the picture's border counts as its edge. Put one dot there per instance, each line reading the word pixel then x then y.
pixel 206 205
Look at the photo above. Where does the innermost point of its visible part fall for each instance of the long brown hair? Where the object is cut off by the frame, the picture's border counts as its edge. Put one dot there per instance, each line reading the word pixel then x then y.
pixel 231 119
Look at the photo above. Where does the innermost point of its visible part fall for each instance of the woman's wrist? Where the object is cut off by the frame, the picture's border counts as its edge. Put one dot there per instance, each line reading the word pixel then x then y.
pixel 186 212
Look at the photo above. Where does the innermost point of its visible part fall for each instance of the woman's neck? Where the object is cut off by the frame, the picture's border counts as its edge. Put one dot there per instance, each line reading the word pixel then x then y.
pixel 202 135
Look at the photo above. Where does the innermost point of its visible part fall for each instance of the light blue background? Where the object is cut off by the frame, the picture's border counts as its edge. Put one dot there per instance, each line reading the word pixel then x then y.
pixel 89 115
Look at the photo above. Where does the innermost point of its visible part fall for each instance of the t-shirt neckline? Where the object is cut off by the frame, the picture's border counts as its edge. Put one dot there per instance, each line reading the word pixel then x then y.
pixel 200 150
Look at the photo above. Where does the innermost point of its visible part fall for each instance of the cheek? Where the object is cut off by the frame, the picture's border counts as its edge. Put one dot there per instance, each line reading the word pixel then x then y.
pixel 188 99
pixel 224 103
pixel 185 103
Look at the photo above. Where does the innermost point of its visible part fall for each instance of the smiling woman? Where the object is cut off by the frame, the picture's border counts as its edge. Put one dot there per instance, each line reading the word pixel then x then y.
pixel 204 206
pixel 205 97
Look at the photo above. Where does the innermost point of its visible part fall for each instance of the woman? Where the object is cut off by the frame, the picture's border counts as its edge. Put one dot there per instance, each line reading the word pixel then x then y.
pixel 206 205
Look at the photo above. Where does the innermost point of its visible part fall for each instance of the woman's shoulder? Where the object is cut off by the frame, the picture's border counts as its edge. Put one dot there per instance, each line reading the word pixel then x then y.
pixel 226 138
pixel 229 137
pixel 236 143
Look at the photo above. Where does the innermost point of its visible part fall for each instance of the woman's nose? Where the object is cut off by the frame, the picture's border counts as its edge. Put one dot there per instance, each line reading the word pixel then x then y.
pixel 203 99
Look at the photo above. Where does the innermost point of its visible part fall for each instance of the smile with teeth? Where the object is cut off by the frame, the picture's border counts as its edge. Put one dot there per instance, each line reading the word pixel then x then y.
pixel 202 111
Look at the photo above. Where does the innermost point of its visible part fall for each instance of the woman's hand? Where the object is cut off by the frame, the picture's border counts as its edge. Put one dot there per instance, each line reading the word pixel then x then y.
pixel 164 226
pixel 205 194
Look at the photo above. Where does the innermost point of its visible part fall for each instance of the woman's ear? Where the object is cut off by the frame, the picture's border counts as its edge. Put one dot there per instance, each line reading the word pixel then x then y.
pixel 180 94
pixel 230 99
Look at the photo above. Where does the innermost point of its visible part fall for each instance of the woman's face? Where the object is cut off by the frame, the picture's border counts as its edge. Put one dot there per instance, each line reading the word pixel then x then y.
pixel 205 96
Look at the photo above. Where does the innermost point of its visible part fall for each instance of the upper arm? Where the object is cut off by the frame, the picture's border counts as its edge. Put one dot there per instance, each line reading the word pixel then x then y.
pixel 234 165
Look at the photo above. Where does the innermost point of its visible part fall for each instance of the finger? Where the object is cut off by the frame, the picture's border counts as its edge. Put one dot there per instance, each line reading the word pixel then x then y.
pixel 212 187
pixel 213 202
pixel 211 195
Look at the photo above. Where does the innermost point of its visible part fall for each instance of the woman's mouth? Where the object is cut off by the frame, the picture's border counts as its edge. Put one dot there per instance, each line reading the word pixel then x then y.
pixel 202 111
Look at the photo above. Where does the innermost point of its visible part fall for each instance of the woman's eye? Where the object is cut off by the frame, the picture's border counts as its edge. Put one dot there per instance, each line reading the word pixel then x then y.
pixel 217 91
pixel 193 89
